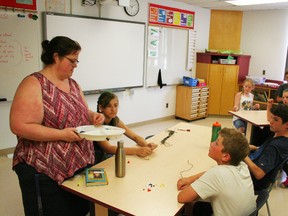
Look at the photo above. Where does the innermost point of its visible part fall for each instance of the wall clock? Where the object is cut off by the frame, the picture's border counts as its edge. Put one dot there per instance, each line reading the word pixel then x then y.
pixel 133 8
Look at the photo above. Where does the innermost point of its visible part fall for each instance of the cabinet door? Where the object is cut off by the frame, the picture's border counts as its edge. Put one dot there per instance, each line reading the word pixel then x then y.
pixel 229 88
pixel 202 71
pixel 215 85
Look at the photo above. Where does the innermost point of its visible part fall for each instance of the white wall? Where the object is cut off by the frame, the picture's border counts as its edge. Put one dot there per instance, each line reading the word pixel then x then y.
pixel 145 103
pixel 265 38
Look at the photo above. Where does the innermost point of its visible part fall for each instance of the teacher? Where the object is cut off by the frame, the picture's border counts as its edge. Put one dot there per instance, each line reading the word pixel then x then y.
pixel 47 107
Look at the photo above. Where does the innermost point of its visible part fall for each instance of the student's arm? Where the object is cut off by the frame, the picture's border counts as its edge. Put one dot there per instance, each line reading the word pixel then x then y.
pixel 135 137
pixel 269 106
pixel 187 193
pixel 237 101
pixel 255 106
pixel 257 172
pixel 111 149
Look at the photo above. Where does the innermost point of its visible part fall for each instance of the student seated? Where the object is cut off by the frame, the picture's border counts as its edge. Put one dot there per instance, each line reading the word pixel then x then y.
pixel 272 152
pixel 108 105
pixel 244 101
pixel 227 187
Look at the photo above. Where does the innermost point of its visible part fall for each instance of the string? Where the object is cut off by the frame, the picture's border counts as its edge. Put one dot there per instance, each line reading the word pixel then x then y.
pixel 191 166
pixel 163 141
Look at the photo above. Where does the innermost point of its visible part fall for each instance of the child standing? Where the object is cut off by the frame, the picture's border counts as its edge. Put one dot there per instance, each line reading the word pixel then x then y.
pixel 244 101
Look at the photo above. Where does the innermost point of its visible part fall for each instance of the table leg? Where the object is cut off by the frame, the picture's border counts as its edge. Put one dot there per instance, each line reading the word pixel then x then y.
pixel 100 210
pixel 249 132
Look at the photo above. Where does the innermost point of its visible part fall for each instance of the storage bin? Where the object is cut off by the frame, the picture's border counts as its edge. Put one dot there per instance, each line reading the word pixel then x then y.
pixel 227 61
pixel 188 81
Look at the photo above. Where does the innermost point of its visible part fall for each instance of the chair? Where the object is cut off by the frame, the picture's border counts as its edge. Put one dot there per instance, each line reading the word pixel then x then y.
pixel 262 198
pixel 275 175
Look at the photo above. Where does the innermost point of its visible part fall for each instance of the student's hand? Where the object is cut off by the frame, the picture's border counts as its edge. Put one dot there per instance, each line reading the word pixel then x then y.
pixel 97 118
pixel 235 108
pixel 182 183
pixel 143 151
pixel 152 146
pixel 257 106
pixel 270 103
pixel 253 147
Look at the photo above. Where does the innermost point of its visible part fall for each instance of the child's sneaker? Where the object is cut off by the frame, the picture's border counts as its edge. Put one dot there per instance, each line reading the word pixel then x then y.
pixel 284 184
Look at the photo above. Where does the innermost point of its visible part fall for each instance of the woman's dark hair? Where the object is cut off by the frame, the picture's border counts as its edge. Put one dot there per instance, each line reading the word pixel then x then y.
pixel 104 99
pixel 61 45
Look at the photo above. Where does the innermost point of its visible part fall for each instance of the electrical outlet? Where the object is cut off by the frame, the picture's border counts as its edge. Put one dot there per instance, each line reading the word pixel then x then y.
pixel 167 105
pixel 263 72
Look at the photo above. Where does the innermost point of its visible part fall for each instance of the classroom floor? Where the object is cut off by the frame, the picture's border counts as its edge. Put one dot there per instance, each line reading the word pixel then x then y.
pixel 11 202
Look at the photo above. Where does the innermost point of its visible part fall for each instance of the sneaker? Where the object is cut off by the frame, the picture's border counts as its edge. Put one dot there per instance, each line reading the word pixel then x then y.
pixel 284 184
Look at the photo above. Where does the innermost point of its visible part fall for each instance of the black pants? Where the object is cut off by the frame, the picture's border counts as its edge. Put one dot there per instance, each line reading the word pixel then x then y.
pixel 202 209
pixel 43 196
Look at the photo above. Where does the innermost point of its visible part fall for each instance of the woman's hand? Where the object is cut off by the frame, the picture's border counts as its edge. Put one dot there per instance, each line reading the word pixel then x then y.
pixel 97 118
pixel 70 135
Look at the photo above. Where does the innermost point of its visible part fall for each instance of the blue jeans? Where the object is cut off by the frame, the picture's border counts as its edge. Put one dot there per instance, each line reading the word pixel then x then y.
pixel 240 123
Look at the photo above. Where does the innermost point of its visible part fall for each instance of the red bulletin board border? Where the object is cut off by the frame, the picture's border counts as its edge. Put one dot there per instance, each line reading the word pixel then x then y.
pixel 14 4
pixel 174 17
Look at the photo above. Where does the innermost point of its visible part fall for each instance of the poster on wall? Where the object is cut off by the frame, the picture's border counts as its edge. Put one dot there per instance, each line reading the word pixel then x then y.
pixel 173 17
pixel 19 4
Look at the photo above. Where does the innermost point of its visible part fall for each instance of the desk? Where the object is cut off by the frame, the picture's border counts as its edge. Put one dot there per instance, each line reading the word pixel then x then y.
pixel 253 118
pixel 130 195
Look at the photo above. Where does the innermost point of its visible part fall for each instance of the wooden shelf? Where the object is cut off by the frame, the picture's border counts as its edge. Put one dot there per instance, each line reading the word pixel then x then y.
pixel 192 102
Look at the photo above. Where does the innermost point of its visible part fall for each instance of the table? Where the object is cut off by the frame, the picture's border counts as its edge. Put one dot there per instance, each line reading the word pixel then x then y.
pixel 256 119
pixel 149 186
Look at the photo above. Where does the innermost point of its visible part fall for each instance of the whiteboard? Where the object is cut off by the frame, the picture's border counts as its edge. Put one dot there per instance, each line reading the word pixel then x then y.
pixel 168 51
pixel 19 52
pixel 112 54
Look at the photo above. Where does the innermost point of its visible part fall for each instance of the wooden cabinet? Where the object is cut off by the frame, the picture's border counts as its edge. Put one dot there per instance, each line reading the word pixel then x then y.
pixel 223 85
pixel 191 102
pixel 242 61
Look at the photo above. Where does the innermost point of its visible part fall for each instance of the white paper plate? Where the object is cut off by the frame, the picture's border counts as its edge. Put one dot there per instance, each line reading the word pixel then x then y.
pixel 99 133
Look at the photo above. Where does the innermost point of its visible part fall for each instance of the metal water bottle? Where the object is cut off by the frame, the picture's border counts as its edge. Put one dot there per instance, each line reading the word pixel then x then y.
pixel 120 160
pixel 215 129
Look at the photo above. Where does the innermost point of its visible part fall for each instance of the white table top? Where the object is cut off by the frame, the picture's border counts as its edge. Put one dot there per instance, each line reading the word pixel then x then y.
pixel 255 117
pixel 149 186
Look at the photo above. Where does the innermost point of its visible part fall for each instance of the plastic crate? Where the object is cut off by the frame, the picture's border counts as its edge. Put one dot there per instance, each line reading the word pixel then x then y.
pixel 188 81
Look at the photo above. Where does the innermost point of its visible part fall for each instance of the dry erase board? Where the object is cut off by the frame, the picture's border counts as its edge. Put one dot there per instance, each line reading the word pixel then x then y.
pixel 168 51
pixel 112 53
pixel 19 52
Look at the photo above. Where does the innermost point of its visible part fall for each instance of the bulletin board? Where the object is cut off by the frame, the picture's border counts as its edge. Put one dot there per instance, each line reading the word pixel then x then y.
pixel 168 51
pixel 19 52
pixel 19 4
pixel 112 55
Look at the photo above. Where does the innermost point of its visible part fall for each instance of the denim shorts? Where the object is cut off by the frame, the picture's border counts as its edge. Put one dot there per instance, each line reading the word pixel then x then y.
pixel 240 123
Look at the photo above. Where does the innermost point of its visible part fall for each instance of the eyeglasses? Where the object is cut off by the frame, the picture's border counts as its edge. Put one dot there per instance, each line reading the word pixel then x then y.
pixel 73 61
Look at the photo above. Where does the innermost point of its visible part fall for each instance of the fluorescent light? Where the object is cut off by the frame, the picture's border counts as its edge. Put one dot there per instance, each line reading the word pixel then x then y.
pixel 254 2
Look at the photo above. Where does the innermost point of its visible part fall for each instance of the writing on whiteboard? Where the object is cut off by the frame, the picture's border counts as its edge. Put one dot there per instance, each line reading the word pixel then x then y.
pixel 13 52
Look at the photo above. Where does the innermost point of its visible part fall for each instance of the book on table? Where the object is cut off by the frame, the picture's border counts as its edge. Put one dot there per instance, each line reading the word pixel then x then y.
pixel 96 177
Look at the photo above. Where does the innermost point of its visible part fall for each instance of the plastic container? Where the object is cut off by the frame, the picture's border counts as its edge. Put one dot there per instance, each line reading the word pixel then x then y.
pixel 188 81
pixel 216 127
pixel 120 160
